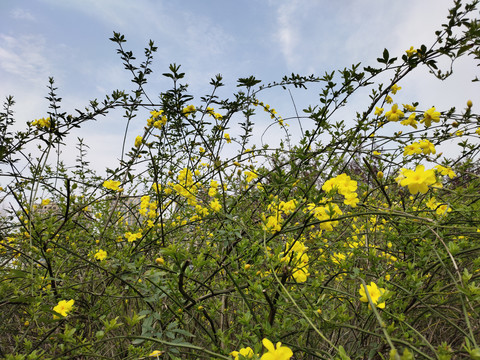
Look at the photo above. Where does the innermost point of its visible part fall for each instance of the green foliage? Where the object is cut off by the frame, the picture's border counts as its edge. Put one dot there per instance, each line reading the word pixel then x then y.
pixel 357 241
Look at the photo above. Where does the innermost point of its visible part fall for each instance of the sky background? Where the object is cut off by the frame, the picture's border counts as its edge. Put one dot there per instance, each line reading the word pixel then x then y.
pixel 69 40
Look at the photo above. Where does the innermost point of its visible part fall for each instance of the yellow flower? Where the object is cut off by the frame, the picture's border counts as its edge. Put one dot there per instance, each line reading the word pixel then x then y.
pixel 188 110
pixel 445 171
pixel 112 185
pixel 300 274
pixel 443 209
pixel 156 353
pixel 288 207
pixel 138 141
pixel 395 88
pixel 408 107
pixel 469 103
pixel 42 123
pixel 375 294
pixel 411 51
pixel 377 153
pixel 131 237
pixel 227 137
pixel 342 183
pixel 63 307
pixel 100 255
pixel 250 176
pixel 215 205
pixel 394 114
pixel 378 111
pixel 278 353
pixel 45 202
pixel 380 175
pixel 160 261
pixel 157 120
pixel 431 204
pixel 412 149
pixel 273 223
pixel 351 199
pixel 429 116
pixel 418 180
pixel 389 99
pixel 247 353
pixel 411 120
pixel 427 147
pixel 338 258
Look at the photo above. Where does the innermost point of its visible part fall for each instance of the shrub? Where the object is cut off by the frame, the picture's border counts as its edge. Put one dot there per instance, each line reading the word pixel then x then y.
pixel 350 243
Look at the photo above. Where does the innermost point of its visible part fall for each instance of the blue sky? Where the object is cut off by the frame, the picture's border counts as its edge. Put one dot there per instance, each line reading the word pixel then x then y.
pixel 68 39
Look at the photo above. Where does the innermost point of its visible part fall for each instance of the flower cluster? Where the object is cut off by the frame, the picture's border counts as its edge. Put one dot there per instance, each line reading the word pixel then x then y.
pixel 42 123
pixel 297 257
pixel 147 208
pixel 215 205
pixel 210 111
pixel 100 255
pixel 345 186
pixel 440 208
pixel 212 191
pixel 190 109
pixel 157 120
pixel 186 187
pixel 445 171
pixel 274 352
pixel 273 223
pixel 271 111
pixel 131 237
pixel 247 353
pixel 423 146
pixel 138 141
pixel 325 214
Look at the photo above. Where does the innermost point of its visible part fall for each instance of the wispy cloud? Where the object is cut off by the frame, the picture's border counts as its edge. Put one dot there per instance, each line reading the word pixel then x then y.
pixel 22 14
pixel 184 36
pixel 287 34
pixel 24 56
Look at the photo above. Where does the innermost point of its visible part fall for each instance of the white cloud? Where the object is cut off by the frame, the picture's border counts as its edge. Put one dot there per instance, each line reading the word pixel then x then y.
pixel 22 14
pixel 287 34
pixel 117 13
pixel 24 56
